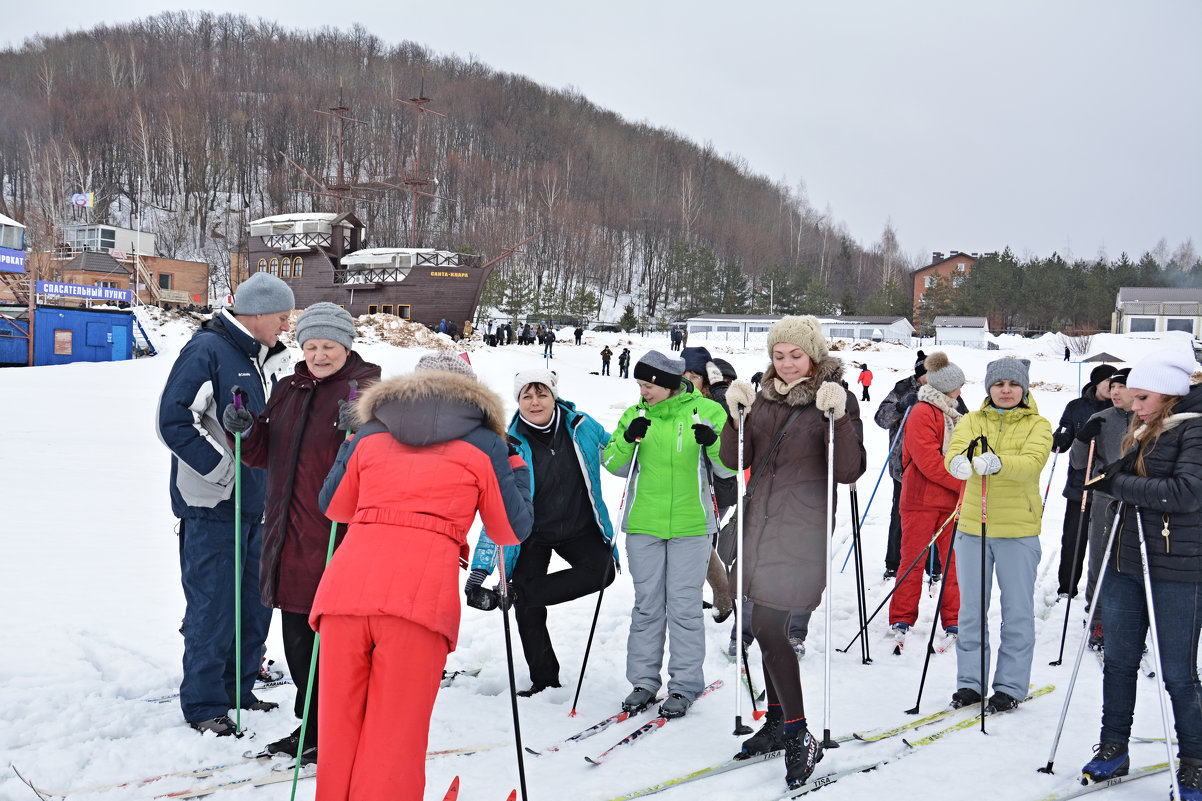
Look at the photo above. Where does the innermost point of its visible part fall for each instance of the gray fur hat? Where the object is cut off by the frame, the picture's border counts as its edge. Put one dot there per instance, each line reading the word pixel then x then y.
pixel 262 293
pixel 942 374
pixel 656 368
pixel 1016 370
pixel 326 320
pixel 803 331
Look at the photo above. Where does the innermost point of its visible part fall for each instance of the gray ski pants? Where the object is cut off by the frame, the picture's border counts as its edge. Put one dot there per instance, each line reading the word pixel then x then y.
pixel 668 578
pixel 1016 563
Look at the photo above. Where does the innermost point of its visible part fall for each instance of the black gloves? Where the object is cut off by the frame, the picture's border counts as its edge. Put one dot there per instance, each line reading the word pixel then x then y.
pixel 637 429
pixel 513 448
pixel 1062 440
pixel 1091 429
pixel 237 421
pixel 704 435
pixel 1104 482
pixel 758 378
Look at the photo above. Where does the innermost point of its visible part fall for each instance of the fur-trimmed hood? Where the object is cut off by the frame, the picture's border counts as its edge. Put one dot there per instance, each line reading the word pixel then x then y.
pixel 432 406
pixel 802 394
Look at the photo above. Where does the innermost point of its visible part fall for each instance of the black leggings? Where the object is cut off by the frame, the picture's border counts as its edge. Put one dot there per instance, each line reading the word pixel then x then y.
pixel 782 676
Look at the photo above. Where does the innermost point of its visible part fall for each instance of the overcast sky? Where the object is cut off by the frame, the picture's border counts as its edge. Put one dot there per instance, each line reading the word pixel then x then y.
pixel 1071 126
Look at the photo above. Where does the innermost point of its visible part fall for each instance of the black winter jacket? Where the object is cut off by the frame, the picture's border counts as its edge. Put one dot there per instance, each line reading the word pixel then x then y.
pixel 1169 498
pixel 1075 414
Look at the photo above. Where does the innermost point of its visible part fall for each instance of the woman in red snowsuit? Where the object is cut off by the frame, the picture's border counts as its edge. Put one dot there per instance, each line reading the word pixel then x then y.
pixel 929 495
pixel 432 451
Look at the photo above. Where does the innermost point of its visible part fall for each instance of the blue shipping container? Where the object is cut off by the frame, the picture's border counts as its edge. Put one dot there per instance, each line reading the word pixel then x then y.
pixel 62 336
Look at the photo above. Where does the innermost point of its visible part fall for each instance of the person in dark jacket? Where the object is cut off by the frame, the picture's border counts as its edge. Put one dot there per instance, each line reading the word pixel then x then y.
pixel 785 538
pixel 1105 430
pixel 579 333
pixel 606 355
pixel 1158 481
pixel 624 363
pixel 548 340
pixel 295 439
pixel 238 347
pixel 1094 398
pixel 889 416
pixel 562 447
pixel 431 454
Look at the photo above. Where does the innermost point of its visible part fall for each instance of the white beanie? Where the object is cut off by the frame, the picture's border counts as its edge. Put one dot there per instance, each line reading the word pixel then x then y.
pixel 1167 373
pixel 536 375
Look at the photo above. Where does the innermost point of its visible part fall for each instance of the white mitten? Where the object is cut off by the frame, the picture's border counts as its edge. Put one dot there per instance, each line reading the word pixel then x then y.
pixel 960 467
pixel 713 373
pixel 986 463
pixel 831 400
pixel 740 393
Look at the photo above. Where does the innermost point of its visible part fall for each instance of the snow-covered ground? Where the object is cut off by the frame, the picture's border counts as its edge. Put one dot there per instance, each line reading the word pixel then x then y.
pixel 90 604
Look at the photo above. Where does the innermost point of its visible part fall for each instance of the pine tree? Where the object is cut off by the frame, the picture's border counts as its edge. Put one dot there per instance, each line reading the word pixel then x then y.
pixel 630 320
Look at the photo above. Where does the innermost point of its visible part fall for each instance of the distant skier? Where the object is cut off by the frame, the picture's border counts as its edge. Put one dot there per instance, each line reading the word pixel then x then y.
pixel 624 363
pixel 865 380
pixel 606 354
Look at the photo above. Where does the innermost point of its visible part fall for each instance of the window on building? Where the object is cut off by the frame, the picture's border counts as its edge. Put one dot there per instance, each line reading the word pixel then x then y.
pixel 107 284
pixel 402 311
pixel 1141 325
pixel 846 333
pixel 273 266
pixel 961 267
pixel 700 329
pixel 297 264
pixel 758 329
pixel 62 341
pixel 165 280
pixel 957 281
pixel 388 308
pixel 930 281
pixel 286 268
pixel 262 265
pixel 728 328
pixel 373 309
pixel 1179 324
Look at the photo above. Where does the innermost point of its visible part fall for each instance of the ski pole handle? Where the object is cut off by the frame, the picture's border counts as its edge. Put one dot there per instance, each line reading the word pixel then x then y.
pixel 353 392
pixel 237 390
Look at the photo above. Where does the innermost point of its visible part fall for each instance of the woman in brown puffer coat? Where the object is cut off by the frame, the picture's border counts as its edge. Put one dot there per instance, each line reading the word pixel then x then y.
pixel 784 528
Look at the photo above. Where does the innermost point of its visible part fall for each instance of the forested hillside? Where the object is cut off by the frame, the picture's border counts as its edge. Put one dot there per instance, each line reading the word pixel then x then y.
pixel 182 119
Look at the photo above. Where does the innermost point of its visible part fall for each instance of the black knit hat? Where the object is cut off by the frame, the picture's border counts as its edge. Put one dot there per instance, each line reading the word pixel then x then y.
pixel 920 367
pixel 1120 376
pixel 727 370
pixel 656 368
pixel 1101 373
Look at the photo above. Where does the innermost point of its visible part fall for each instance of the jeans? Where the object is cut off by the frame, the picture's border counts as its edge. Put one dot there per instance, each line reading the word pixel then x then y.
pixel 1178 606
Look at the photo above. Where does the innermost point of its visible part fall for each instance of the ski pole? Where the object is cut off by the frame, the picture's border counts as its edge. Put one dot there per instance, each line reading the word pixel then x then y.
pixel 237 568
pixel 592 629
pixel 634 456
pixel 352 393
pixel 827 740
pixel 1073 568
pixel 864 629
pixel 1097 593
pixel 513 689
pixel 892 446
pixel 861 602
pixel 1051 473
pixel 740 650
pixel 984 611
pixel 1164 701
pixel 938 608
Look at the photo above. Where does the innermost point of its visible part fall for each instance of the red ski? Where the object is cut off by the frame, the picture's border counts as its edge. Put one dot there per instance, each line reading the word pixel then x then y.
pixel 646 728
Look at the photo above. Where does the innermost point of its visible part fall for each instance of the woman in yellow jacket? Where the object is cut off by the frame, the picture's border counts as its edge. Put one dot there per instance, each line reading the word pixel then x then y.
pixel 1018 443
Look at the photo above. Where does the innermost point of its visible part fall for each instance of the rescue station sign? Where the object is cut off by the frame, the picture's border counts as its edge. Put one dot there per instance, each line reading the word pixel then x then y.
pixel 85 292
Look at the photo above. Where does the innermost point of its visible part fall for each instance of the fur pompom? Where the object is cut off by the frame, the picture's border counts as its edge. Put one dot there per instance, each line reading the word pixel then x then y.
pixel 936 361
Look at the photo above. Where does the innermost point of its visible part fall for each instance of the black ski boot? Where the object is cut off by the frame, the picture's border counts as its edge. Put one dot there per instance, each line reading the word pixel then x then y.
pixel 770 737
pixel 802 754
pixel 965 696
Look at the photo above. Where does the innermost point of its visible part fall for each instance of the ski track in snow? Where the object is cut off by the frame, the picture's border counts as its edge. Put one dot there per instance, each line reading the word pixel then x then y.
pixel 91 604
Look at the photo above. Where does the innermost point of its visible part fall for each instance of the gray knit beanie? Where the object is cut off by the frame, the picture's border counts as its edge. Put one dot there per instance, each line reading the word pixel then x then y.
pixel 656 368
pixel 326 321
pixel 1016 370
pixel 805 332
pixel 942 374
pixel 445 360
pixel 262 293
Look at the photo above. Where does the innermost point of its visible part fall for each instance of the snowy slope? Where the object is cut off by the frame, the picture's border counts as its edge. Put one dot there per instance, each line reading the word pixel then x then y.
pixel 90 603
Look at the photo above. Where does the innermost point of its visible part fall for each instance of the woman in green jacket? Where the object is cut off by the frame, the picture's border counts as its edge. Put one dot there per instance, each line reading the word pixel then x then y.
pixel 1016 447
pixel 669 518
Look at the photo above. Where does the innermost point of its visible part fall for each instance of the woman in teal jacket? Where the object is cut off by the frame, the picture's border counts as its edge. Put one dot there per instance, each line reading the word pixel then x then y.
pixel 1018 442
pixel 563 448
pixel 668 518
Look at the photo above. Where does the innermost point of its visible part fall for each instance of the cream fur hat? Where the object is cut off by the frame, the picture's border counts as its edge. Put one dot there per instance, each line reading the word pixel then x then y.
pixel 805 332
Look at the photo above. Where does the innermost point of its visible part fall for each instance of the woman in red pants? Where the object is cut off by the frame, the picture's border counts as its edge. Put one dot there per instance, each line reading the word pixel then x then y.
pixel 929 496
pixel 431 452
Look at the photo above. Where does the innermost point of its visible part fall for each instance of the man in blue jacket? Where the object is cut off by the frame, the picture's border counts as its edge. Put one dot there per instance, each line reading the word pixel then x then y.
pixel 238 347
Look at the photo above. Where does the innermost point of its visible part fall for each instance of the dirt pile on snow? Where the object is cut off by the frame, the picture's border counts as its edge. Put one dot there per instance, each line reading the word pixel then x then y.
pixel 403 333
